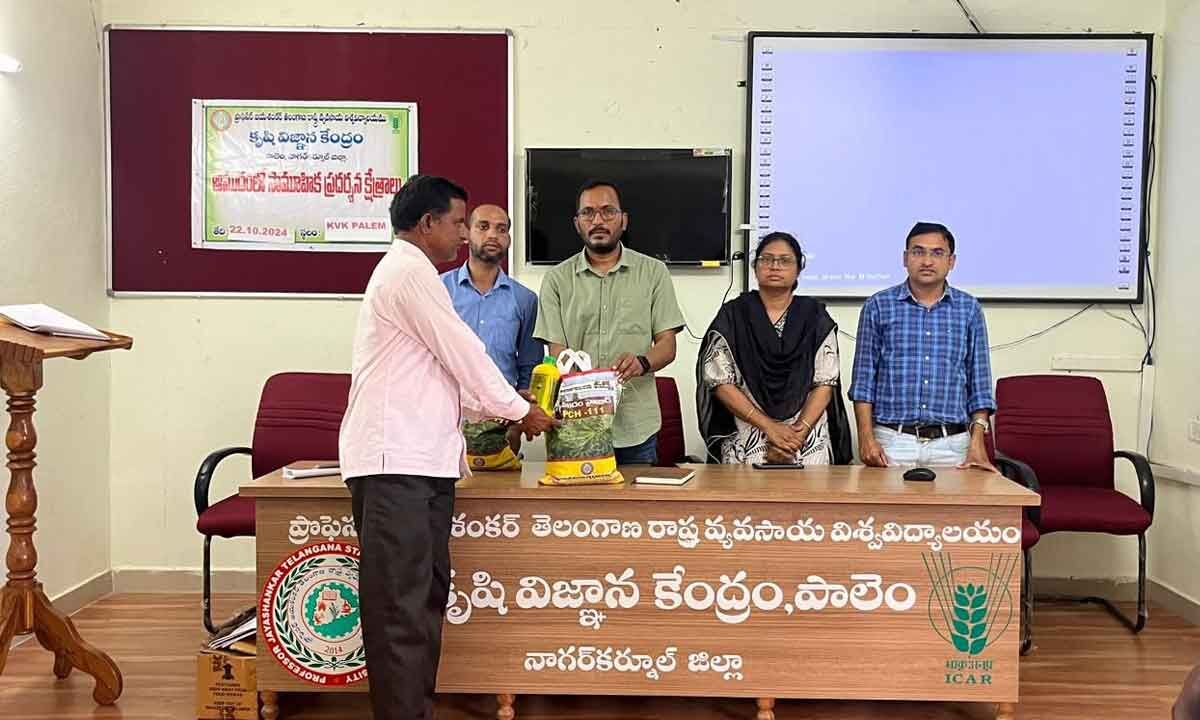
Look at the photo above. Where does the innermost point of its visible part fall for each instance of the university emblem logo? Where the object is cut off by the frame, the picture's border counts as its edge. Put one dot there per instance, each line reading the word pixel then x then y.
pixel 220 120
pixel 970 607
pixel 309 615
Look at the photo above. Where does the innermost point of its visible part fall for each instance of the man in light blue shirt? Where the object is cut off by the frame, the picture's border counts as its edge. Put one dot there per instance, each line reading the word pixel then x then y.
pixel 500 310
pixel 922 387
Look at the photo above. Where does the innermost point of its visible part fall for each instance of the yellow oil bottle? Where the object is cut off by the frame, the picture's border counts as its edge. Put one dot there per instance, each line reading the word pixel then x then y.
pixel 544 384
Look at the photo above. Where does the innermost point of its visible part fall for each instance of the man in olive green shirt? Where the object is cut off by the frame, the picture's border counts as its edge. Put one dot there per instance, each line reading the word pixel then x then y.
pixel 619 307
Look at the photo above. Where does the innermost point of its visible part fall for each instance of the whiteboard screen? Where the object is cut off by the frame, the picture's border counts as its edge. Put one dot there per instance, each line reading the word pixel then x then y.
pixel 1031 149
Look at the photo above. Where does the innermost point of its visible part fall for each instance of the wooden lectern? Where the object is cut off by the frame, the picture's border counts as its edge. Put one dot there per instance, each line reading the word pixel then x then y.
pixel 24 607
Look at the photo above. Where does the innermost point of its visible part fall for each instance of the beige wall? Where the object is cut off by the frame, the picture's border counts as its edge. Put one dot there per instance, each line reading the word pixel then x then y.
pixel 1175 550
pixel 1179 251
pixel 51 251
pixel 628 72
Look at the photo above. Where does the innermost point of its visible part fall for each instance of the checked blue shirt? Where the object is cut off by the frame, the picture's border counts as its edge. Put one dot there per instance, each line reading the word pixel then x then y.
pixel 922 365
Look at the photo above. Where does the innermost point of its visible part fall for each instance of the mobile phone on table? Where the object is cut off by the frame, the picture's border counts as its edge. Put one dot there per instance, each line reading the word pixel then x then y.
pixel 778 466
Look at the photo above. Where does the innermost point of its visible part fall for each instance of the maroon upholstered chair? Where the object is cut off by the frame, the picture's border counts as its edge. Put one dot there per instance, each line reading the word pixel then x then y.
pixel 1020 472
pixel 299 416
pixel 670 435
pixel 1059 425
pixel 671 447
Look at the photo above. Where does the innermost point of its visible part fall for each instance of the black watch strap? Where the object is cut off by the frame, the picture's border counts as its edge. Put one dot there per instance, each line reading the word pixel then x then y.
pixel 645 364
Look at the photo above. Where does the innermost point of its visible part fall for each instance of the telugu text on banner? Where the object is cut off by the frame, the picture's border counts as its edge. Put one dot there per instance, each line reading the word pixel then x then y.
pixel 284 175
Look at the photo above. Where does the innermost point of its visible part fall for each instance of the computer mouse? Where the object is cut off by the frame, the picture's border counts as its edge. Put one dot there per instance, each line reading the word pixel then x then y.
pixel 919 473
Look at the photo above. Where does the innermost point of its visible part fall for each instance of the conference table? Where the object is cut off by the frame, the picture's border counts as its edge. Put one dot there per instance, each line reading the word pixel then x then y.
pixel 841 582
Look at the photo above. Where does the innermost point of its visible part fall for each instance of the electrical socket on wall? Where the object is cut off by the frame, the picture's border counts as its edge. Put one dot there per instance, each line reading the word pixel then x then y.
pixel 1194 430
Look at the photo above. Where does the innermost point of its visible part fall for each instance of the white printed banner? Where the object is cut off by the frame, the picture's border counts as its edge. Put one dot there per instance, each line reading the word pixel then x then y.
pixel 291 175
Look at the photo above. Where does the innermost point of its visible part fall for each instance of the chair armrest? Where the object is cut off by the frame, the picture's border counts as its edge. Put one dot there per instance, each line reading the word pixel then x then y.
pixel 205 473
pixel 1145 477
pixel 1020 472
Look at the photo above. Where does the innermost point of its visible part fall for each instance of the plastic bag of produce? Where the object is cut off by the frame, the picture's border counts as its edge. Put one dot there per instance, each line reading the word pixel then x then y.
pixel 580 452
pixel 488 448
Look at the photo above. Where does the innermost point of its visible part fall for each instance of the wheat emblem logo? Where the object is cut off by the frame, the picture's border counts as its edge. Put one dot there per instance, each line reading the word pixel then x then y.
pixel 970 607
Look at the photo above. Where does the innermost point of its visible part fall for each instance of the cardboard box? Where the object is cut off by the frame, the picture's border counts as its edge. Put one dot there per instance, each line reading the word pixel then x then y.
pixel 226 686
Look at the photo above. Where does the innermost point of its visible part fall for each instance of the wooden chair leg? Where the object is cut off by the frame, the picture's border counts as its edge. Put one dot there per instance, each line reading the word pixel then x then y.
pixel 766 709
pixel 1006 711
pixel 505 710
pixel 270 704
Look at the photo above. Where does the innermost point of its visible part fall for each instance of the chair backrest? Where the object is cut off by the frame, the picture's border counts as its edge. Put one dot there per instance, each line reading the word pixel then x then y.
pixel 670 435
pixel 299 417
pixel 1059 425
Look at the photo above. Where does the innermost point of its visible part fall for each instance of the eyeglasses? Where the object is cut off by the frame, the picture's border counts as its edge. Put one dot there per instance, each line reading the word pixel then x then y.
pixel 608 213
pixel 780 261
pixel 936 253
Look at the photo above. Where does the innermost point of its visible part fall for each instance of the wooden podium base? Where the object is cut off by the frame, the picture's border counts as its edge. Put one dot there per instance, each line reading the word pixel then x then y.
pixel 28 610
pixel 24 607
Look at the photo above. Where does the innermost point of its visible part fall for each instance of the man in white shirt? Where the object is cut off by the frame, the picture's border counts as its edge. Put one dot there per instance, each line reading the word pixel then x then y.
pixel 416 368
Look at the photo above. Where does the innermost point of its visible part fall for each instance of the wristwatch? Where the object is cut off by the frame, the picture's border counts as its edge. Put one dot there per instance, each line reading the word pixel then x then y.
pixel 645 364
pixel 987 427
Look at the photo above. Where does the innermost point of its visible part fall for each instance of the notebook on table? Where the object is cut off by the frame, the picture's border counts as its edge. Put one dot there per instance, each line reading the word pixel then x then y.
pixel 319 470
pixel 664 476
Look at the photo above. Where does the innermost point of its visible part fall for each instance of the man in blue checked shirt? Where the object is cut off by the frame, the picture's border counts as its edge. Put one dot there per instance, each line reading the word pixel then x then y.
pixel 500 310
pixel 922 385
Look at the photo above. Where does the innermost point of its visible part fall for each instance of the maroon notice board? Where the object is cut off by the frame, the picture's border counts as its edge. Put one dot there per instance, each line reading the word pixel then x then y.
pixel 460 82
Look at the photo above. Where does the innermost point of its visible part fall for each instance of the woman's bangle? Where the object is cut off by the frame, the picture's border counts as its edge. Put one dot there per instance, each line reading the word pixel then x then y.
pixel 806 424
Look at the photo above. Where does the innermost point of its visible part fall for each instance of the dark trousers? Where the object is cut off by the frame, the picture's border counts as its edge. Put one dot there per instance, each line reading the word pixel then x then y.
pixel 644 453
pixel 403 525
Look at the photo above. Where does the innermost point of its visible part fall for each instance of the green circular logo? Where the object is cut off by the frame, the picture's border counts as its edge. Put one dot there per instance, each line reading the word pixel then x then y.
pixel 310 614
pixel 331 611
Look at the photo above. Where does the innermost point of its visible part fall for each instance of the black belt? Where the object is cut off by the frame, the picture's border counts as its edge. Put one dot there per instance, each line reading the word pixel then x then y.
pixel 928 431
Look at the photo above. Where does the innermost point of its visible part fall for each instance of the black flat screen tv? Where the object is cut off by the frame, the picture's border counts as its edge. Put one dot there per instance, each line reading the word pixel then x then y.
pixel 677 201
